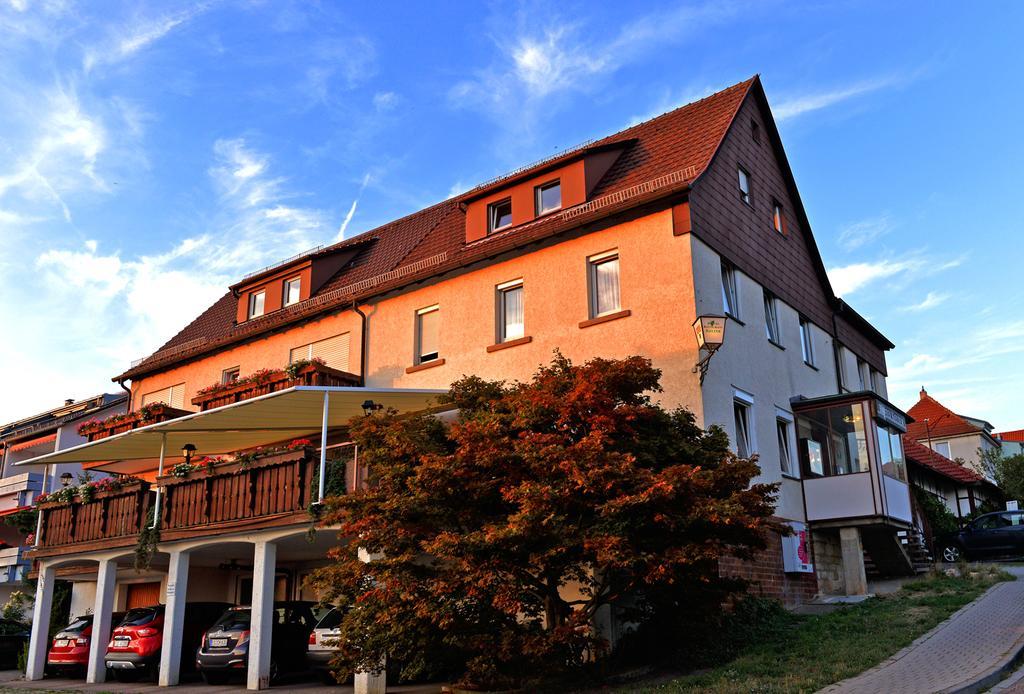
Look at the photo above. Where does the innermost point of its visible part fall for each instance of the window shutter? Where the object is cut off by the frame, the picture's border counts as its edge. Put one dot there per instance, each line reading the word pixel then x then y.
pixel 174 396
pixel 333 350
pixel 299 353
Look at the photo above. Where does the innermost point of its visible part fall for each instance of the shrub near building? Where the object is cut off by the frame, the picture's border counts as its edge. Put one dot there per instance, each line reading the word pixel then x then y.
pixel 500 540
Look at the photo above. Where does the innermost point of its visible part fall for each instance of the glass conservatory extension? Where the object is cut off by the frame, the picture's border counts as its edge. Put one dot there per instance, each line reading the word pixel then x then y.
pixel 851 459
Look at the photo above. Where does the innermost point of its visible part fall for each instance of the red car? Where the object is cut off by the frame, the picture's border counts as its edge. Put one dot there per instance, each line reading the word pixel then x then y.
pixel 70 649
pixel 134 648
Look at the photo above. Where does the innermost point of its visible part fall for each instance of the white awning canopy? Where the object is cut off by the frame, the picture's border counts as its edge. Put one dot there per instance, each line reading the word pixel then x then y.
pixel 289 414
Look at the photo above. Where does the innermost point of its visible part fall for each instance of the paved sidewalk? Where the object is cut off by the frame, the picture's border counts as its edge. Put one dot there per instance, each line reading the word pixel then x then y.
pixel 975 643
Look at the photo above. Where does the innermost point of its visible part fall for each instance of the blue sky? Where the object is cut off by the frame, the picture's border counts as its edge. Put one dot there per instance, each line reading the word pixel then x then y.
pixel 152 153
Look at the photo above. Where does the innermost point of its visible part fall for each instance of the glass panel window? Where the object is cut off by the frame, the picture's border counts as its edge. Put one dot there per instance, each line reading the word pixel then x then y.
pixel 785 455
pixel 812 435
pixel 229 376
pixel 549 197
pixel 292 289
pixel 942 448
pixel 863 374
pixel 744 182
pixel 771 318
pixel 777 216
pixel 878 382
pixel 890 448
pixel 806 343
pixel 499 214
pixel 730 303
pixel 257 303
pixel 428 324
pixel 849 441
pixel 511 324
pixel 741 415
pixel 604 285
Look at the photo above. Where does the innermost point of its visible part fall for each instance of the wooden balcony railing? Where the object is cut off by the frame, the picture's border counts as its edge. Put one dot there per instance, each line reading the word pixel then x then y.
pixel 273 490
pixel 111 515
pixel 272 381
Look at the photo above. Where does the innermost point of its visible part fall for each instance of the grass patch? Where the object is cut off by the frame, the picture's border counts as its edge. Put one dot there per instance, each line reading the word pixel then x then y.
pixel 803 654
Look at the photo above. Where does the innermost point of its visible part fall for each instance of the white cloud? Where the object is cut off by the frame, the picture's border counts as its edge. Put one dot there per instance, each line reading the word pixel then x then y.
pixel 857 234
pixel 847 279
pixel 385 101
pixel 932 300
pixel 814 101
pixel 128 40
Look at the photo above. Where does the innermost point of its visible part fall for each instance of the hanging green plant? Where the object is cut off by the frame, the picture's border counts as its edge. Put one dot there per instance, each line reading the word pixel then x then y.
pixel 145 548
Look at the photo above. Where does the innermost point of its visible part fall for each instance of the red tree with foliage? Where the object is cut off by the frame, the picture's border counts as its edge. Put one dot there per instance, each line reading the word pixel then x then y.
pixel 499 537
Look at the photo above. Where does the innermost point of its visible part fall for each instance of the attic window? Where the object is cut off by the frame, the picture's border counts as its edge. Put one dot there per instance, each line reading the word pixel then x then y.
pixel 292 290
pixel 499 215
pixel 257 304
pixel 549 197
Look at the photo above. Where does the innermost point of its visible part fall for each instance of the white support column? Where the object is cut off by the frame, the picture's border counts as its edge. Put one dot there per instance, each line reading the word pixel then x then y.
pixel 159 473
pixel 262 619
pixel 106 581
pixel 370 682
pixel 174 619
pixel 323 448
pixel 40 639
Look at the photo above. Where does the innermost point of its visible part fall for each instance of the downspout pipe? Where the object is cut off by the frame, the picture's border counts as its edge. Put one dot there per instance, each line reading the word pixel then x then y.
pixel 362 343
pixel 128 390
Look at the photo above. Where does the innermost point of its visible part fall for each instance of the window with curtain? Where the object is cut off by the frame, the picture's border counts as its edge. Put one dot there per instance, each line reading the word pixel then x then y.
pixel 428 325
pixel 604 285
pixel 511 324
pixel 257 304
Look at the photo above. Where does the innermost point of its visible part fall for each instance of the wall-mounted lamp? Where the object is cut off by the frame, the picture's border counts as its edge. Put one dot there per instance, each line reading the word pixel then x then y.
pixel 369 407
pixel 187 451
pixel 65 479
pixel 710 332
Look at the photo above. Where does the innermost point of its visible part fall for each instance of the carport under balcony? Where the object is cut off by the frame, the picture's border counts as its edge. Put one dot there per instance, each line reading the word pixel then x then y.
pixel 258 497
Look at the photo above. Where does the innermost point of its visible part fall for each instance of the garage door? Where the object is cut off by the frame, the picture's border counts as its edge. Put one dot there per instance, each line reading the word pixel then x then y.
pixel 143 595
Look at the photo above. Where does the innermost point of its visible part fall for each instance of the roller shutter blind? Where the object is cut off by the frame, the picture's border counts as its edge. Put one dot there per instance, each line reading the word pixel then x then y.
pixel 173 396
pixel 333 350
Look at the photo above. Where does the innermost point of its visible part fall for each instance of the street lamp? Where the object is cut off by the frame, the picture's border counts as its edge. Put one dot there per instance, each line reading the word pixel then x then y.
pixel 187 451
pixel 65 479
pixel 369 407
pixel 710 332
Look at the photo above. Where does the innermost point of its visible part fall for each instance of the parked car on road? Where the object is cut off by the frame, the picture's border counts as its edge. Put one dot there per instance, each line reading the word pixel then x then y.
pixel 990 536
pixel 69 653
pixel 134 648
pixel 13 637
pixel 224 649
pixel 323 644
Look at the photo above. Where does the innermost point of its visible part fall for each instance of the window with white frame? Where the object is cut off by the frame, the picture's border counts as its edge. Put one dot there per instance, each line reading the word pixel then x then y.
pixel 942 448
pixel 783 432
pixel 292 290
pixel 499 215
pixel 428 328
pixel 730 298
pixel 603 283
pixel 806 342
pixel 257 304
pixel 548 197
pixel 771 318
pixel 744 184
pixel 511 324
pixel 229 376
pixel 743 421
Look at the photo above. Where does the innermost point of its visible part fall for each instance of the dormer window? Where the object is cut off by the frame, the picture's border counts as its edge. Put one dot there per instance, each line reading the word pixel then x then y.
pixel 292 289
pixel 499 215
pixel 549 197
pixel 257 304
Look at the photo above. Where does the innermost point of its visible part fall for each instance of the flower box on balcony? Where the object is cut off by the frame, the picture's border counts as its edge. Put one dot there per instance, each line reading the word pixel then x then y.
pixel 120 423
pixel 131 487
pixel 272 381
pixel 201 471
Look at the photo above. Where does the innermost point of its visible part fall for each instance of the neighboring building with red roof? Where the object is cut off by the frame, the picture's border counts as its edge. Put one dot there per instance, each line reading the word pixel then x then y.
pixel 1011 441
pixel 954 436
pixel 959 487
pixel 611 249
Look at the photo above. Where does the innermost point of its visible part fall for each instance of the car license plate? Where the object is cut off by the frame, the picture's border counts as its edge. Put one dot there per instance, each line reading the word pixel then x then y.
pixel 122 640
pixel 218 643
pixel 60 643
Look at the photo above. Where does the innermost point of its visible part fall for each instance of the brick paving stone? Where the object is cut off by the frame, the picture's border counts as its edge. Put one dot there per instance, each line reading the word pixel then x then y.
pixel 976 640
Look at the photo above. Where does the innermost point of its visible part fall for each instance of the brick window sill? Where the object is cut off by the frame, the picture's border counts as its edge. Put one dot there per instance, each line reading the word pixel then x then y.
pixel 606 318
pixel 509 343
pixel 424 366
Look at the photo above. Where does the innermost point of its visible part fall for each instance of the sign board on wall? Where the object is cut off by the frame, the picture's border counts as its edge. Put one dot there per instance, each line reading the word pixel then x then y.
pixel 796 550
pixel 1011 505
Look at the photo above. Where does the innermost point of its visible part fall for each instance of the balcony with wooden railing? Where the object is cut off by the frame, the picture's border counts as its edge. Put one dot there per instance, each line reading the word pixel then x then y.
pixel 251 491
pixel 312 373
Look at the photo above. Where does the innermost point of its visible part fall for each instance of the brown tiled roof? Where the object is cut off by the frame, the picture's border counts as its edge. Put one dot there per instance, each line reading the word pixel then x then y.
pixel 922 455
pixel 663 156
pixel 942 421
